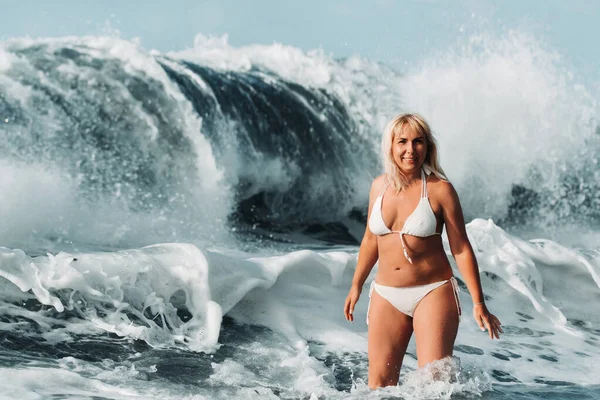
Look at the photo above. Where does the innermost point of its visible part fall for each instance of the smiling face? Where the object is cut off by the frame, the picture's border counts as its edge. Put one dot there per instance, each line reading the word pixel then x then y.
pixel 408 146
pixel 409 150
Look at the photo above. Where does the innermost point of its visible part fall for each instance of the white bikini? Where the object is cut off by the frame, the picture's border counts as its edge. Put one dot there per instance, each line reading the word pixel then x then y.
pixel 421 223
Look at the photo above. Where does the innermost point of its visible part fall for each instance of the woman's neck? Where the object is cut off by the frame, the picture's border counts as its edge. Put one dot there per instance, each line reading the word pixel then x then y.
pixel 412 176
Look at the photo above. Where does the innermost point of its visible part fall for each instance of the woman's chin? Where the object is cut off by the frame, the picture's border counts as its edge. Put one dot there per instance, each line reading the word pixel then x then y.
pixel 407 167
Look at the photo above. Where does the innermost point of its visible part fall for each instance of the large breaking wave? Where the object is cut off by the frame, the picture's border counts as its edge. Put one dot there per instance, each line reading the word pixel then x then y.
pixel 106 143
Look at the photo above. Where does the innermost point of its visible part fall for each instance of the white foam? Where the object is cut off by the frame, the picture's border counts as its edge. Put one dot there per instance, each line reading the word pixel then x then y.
pixel 300 296
pixel 125 292
pixel 510 90
pixel 6 59
pixel 204 185
pixel 311 68
pixel 41 204
pixel 506 110
pixel 78 380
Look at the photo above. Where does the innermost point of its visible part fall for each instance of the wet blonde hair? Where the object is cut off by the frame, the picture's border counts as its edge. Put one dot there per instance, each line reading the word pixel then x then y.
pixel 396 126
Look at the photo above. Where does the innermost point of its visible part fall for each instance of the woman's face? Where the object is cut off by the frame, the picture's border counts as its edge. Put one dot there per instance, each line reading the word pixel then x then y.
pixel 409 149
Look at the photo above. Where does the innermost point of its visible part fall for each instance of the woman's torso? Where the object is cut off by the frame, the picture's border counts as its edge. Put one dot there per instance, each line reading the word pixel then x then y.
pixel 429 260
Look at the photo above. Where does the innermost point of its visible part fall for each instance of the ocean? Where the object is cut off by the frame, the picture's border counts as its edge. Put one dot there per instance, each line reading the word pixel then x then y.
pixel 185 225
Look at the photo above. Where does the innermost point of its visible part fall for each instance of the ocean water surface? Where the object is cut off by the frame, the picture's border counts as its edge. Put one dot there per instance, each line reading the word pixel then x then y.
pixel 186 224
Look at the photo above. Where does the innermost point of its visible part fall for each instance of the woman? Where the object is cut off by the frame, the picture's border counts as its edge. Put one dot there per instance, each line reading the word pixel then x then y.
pixel 414 289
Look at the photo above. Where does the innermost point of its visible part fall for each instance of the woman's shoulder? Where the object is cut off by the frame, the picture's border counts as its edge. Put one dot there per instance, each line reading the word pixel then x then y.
pixel 378 183
pixel 440 188
pixel 433 179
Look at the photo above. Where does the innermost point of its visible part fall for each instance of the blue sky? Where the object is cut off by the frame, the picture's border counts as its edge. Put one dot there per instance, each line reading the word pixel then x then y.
pixel 384 30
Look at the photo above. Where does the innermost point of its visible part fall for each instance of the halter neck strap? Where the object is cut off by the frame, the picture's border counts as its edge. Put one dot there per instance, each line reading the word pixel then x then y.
pixel 424 185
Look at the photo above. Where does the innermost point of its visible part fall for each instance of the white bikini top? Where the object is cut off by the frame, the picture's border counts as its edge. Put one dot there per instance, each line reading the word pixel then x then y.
pixel 421 223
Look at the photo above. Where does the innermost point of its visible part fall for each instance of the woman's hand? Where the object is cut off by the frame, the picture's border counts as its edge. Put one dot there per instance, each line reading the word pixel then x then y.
pixel 351 301
pixel 487 321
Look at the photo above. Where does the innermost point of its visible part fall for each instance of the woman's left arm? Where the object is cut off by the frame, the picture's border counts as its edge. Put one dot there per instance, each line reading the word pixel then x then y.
pixel 465 258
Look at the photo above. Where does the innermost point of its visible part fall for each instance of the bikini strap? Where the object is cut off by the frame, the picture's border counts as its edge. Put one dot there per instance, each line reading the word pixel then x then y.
pixel 456 289
pixel 370 294
pixel 424 186
pixel 404 246
pixel 384 189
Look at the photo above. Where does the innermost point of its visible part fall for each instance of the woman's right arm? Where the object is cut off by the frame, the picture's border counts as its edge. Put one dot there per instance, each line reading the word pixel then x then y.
pixel 367 256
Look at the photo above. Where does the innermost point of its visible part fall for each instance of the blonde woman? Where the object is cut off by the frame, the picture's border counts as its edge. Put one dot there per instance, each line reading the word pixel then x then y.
pixel 414 289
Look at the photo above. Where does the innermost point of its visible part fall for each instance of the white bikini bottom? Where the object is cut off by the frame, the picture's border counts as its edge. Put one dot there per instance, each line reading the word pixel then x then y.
pixel 406 299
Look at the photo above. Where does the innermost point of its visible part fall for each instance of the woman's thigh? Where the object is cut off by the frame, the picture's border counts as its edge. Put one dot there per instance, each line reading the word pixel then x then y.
pixel 435 322
pixel 389 334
